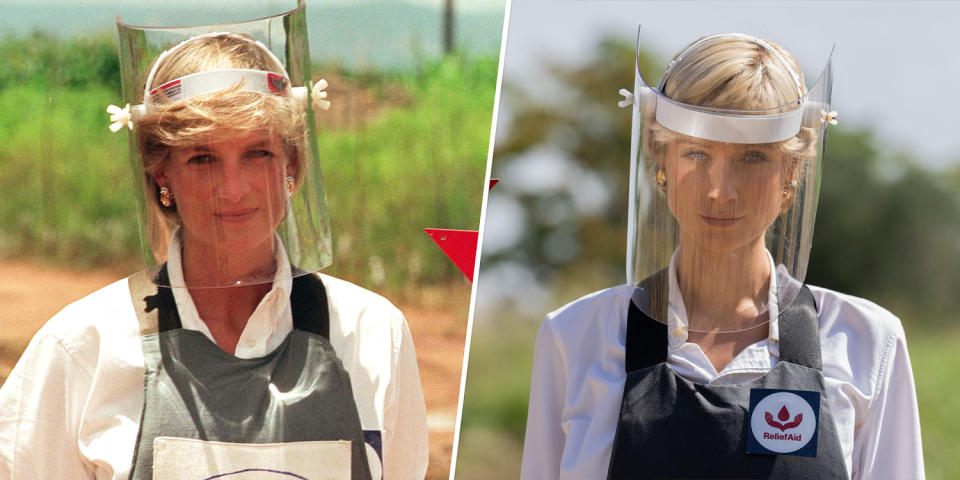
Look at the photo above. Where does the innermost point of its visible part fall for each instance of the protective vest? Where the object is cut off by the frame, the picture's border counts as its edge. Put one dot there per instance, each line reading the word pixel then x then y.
pixel 300 392
pixel 670 427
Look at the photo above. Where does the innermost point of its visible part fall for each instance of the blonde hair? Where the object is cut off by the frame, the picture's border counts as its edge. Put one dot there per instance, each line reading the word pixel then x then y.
pixel 204 118
pixel 734 72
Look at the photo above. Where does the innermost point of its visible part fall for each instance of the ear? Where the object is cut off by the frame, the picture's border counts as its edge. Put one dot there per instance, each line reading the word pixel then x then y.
pixel 791 168
pixel 789 176
pixel 293 163
pixel 160 176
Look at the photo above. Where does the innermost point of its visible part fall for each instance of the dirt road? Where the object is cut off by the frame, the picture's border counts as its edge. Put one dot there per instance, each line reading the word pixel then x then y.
pixel 30 294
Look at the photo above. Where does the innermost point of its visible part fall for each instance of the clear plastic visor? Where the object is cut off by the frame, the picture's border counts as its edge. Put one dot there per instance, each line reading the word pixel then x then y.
pixel 229 187
pixel 722 208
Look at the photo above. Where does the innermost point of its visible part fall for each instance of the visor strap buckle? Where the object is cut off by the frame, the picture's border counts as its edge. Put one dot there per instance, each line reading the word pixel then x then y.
pixel 627 98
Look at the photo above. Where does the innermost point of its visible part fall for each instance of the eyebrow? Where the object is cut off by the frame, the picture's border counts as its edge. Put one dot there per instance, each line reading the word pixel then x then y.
pixel 265 142
pixel 204 148
pixel 697 141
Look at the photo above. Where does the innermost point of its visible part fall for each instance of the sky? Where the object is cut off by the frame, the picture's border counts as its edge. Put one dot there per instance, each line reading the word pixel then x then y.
pixel 386 34
pixel 468 4
pixel 896 63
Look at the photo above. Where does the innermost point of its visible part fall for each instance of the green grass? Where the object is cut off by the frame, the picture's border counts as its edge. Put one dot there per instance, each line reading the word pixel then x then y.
pixel 66 181
pixel 498 380
pixel 416 167
pixel 936 369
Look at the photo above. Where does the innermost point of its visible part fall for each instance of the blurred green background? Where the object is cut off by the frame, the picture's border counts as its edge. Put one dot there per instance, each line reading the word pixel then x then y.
pixel 402 148
pixel 887 229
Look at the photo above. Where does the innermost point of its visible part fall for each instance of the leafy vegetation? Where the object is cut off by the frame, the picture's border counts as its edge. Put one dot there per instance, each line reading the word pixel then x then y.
pixel 412 168
pixel 42 59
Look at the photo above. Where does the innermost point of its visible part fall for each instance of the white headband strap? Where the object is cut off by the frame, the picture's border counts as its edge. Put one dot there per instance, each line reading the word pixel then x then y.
pixel 730 128
pixel 200 83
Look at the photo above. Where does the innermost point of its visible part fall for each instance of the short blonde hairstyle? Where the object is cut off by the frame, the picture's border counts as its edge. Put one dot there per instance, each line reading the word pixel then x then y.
pixel 733 73
pixel 204 118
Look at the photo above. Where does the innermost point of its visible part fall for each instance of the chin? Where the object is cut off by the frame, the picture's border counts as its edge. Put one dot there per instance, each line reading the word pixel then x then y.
pixel 230 239
pixel 243 241
pixel 724 241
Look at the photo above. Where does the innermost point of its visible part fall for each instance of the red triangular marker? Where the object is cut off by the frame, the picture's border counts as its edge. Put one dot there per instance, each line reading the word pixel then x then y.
pixel 460 246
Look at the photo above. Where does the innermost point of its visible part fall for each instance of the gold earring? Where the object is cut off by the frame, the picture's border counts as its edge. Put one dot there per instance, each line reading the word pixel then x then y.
pixel 291 185
pixel 789 190
pixel 661 181
pixel 166 197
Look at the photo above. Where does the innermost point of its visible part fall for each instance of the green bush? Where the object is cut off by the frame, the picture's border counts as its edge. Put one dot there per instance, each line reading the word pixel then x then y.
pixel 65 179
pixel 416 167
pixel 42 59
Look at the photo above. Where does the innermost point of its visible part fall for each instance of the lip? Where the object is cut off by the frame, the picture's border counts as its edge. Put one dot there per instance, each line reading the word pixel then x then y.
pixel 721 222
pixel 237 215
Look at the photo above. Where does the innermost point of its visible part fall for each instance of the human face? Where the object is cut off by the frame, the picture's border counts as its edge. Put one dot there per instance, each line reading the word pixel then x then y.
pixel 230 193
pixel 724 195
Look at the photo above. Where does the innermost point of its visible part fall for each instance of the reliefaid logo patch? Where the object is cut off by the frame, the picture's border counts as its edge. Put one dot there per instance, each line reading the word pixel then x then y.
pixel 783 422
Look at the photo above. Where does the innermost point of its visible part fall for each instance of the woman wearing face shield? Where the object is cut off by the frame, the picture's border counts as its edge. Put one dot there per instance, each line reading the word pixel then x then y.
pixel 715 360
pixel 228 355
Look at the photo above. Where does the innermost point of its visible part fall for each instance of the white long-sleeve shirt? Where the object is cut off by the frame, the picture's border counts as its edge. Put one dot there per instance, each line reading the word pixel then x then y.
pixel 578 378
pixel 71 408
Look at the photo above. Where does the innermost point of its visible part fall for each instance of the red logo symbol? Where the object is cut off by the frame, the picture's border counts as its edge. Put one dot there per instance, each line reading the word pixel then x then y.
pixel 277 84
pixel 784 415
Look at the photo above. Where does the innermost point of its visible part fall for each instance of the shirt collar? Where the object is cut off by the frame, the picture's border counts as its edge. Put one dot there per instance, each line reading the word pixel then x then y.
pixel 678 323
pixel 271 318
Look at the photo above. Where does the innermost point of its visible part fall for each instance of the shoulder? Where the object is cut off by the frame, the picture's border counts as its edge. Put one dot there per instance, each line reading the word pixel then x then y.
pixel 109 300
pixel 103 317
pixel 361 320
pixel 839 312
pixel 95 333
pixel 588 333
pixel 351 300
pixel 83 366
pixel 591 311
pixel 857 335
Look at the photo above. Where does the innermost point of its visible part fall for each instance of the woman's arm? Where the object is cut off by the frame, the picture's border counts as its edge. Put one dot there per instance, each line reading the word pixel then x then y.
pixel 544 439
pixel 887 443
pixel 406 445
pixel 41 407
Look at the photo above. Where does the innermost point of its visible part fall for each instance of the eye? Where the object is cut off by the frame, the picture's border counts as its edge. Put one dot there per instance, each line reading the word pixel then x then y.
pixel 696 156
pixel 754 157
pixel 260 153
pixel 200 159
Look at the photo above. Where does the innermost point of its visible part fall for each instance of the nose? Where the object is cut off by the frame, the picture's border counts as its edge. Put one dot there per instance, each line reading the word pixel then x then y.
pixel 234 184
pixel 724 180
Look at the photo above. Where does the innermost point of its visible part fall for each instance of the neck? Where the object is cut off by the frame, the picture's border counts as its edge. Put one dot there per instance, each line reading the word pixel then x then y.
pixel 206 266
pixel 723 290
pixel 226 309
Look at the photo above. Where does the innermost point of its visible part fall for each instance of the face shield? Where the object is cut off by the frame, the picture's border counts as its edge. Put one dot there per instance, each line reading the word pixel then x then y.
pixel 723 201
pixel 223 150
